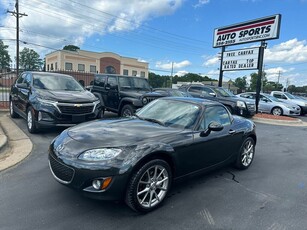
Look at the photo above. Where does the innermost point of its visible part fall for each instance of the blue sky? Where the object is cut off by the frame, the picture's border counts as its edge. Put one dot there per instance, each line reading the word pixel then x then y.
pixel 164 33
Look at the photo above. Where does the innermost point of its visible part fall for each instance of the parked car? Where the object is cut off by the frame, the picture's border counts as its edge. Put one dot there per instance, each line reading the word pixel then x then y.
pixel 270 104
pixel 122 94
pixel 137 158
pixel 285 96
pixel 50 99
pixel 234 104
pixel 169 92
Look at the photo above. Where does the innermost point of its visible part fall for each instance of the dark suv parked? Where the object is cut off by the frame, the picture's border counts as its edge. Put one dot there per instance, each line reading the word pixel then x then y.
pixel 49 99
pixel 122 94
pixel 234 104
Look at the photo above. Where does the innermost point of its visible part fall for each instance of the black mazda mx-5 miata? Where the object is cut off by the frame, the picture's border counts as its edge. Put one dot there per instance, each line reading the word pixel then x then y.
pixel 136 159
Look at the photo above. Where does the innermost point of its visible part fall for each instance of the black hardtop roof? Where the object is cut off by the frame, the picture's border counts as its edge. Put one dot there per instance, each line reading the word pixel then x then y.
pixel 118 75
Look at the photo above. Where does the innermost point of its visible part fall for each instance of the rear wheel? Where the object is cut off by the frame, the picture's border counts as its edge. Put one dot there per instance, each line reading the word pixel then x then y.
pixel 127 111
pixel 13 114
pixel 277 111
pixel 31 123
pixel 246 154
pixel 149 186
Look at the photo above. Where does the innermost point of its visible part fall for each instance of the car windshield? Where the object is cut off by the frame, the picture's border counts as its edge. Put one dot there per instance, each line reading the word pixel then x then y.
pixel 177 93
pixel 56 82
pixel 134 83
pixel 224 92
pixel 271 97
pixel 162 111
pixel 290 96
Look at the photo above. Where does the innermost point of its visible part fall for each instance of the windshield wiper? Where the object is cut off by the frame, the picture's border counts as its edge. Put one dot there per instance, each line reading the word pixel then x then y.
pixel 150 119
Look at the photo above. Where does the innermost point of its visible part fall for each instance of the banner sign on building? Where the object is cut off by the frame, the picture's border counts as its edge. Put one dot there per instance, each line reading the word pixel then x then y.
pixel 243 59
pixel 256 30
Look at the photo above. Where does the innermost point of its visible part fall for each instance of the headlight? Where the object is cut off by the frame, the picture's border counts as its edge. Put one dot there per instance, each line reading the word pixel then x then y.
pixel 46 102
pixel 144 100
pixel 241 104
pixel 289 106
pixel 100 154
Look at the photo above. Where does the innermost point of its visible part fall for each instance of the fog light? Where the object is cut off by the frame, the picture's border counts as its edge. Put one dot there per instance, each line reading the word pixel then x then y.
pixel 101 184
pixel 97 184
pixel 241 111
pixel 44 116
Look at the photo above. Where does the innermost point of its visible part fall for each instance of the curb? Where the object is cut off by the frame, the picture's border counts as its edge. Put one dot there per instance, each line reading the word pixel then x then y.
pixel 296 122
pixel 18 145
pixel 3 140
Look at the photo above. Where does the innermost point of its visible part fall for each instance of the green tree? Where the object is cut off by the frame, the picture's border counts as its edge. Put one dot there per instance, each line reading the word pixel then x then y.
pixel 272 86
pixel 253 81
pixel 241 83
pixel 5 58
pixel 29 60
pixel 71 48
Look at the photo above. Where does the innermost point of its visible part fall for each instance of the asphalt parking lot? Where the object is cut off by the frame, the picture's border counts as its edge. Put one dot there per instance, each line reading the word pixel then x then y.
pixel 271 194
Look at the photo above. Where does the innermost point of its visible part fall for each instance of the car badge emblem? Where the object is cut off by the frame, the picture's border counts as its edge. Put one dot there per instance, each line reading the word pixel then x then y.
pixel 78 105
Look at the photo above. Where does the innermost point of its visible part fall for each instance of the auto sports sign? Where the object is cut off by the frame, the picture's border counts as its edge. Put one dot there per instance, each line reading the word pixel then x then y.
pixel 256 30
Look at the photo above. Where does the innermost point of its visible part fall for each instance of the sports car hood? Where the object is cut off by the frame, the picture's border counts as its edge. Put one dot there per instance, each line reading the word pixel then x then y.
pixel 119 132
pixel 67 96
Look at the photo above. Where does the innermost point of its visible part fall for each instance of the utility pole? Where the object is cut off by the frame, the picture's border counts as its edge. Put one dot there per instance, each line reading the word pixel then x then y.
pixel 221 67
pixel 17 15
pixel 172 75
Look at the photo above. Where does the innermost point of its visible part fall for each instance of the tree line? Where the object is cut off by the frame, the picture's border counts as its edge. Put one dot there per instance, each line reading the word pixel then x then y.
pixel 29 59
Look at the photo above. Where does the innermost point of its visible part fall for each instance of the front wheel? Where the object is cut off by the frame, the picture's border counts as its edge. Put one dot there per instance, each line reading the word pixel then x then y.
pixel 127 111
pixel 148 186
pixel 246 154
pixel 13 114
pixel 31 123
pixel 276 111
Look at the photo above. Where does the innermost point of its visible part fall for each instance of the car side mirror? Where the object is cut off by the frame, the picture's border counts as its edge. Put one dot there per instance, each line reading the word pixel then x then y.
pixel 213 126
pixel 23 85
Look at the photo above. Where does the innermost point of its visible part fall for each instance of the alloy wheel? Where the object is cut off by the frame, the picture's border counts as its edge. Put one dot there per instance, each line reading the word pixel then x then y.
pixel 248 153
pixel 152 186
pixel 29 119
pixel 277 112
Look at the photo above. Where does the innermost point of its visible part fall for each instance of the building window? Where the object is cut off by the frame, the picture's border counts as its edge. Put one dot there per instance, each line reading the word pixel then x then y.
pixel 51 68
pixel 81 67
pixel 56 66
pixel 134 72
pixel 48 67
pixel 110 69
pixel 125 72
pixel 68 66
pixel 92 68
pixel 142 74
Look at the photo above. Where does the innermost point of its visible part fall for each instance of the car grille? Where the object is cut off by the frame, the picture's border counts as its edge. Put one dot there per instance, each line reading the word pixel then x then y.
pixel 149 99
pixel 60 171
pixel 74 109
pixel 251 107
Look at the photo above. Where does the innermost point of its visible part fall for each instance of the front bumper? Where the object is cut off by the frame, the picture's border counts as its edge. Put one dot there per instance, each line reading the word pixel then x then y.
pixel 304 109
pixel 292 112
pixel 50 116
pixel 80 179
pixel 245 112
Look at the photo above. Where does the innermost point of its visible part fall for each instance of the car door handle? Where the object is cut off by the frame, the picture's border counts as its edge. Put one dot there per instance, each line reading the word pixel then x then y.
pixel 232 131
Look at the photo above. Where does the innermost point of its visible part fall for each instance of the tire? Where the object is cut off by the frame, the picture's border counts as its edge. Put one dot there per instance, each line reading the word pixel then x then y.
pixel 154 190
pixel 127 111
pixel 13 114
pixel 31 123
pixel 277 111
pixel 246 154
pixel 302 112
pixel 100 115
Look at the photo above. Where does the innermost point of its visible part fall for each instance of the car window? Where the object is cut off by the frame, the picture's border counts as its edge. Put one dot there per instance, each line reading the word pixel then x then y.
pixel 112 82
pixel 28 79
pixel 280 96
pixel 195 89
pixel 248 95
pixel 21 78
pixel 100 80
pixel 207 91
pixel 215 113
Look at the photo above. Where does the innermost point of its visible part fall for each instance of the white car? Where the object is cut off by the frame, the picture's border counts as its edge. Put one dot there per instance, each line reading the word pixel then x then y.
pixel 284 96
pixel 270 104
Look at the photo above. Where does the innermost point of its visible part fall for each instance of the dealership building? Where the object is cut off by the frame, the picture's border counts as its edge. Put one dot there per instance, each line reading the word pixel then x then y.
pixel 95 62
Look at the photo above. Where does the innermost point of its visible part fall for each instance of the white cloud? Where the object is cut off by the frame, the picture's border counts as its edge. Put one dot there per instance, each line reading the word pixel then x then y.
pixel 175 65
pixel 201 3
pixel 181 73
pixel 211 61
pixel 289 52
pixel 55 23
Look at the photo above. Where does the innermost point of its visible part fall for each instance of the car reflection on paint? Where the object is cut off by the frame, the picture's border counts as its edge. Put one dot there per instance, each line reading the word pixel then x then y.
pixel 136 159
